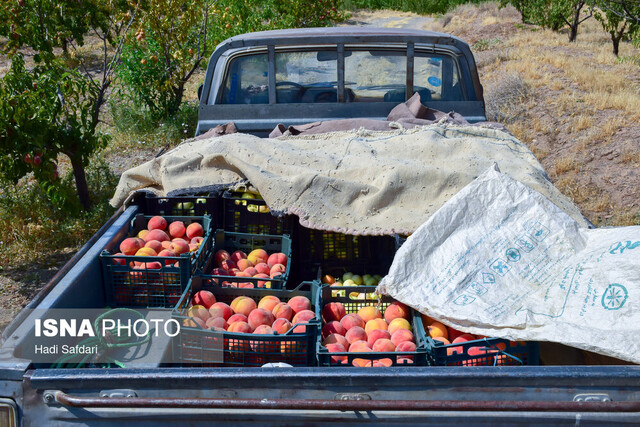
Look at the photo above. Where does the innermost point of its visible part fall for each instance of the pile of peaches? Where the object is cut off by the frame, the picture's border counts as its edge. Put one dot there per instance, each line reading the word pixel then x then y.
pixel 257 264
pixel 161 239
pixel 368 330
pixel 269 316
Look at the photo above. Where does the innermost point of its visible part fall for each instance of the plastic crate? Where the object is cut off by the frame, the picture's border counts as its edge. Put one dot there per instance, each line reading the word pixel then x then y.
pixel 126 286
pixel 482 352
pixel 232 242
pixel 182 206
pixel 337 253
pixel 248 216
pixel 197 346
pixel 328 294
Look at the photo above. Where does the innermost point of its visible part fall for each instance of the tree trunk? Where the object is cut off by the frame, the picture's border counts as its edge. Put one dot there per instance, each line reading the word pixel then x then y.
pixel 81 180
pixel 574 25
pixel 179 93
pixel 616 44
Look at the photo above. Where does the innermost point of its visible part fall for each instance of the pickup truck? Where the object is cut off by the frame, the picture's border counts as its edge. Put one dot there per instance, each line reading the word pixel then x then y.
pixel 294 77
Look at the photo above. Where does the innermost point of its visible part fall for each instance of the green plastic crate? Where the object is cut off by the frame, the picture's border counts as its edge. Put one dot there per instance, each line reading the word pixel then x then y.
pixel 198 346
pixel 248 216
pixel 152 288
pixel 329 294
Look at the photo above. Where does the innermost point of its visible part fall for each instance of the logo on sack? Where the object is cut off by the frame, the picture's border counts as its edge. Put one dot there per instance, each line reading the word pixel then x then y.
pixel 614 296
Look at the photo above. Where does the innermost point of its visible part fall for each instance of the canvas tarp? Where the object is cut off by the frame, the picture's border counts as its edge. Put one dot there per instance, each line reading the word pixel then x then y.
pixel 356 182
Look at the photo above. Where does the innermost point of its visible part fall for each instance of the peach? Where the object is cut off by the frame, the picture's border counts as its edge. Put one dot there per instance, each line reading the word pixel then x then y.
pixel 260 316
pixel 375 324
pixel 283 310
pixel 237 317
pixel 336 338
pixel 177 229
pixel 351 320
pixel 157 223
pixel 281 325
pixel 356 334
pixel 193 247
pixel 402 335
pixel 194 230
pixel 220 256
pixel 376 335
pixel 333 311
pixel 426 320
pixel 463 338
pixel 146 251
pixel 245 306
pixel 262 268
pixel 396 310
pixel 153 265
pixel 369 313
pixel 198 311
pixel 156 234
pixel 333 327
pixel 406 346
pixel 263 283
pixel 196 240
pixel 240 327
pixel 130 246
pixel 337 348
pixel 277 270
pixel 194 322
pixel 397 324
pixel 120 261
pixel 155 245
pixel 453 333
pixel 257 255
pixel 220 309
pixel 227 264
pixel 204 298
pixel 269 302
pixel 359 346
pixel 383 345
pixel 142 233
pixel 220 272
pixel 277 258
pixel 437 329
pixel 442 340
pixel 166 244
pixel 217 323
pixel 179 246
pixel 237 256
pixel 243 264
pixel 250 272
pixel 268 346
pixel 235 302
pixel 303 316
pixel 242 274
pixel 299 303
pixel 359 362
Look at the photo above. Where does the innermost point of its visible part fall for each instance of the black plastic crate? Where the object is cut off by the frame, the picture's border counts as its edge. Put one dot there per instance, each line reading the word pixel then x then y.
pixel 182 206
pixel 482 352
pixel 352 304
pixel 245 242
pixel 332 253
pixel 128 286
pixel 197 346
pixel 252 216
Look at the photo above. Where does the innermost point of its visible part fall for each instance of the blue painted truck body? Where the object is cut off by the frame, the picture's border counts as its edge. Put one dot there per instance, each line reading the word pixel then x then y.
pixel 162 394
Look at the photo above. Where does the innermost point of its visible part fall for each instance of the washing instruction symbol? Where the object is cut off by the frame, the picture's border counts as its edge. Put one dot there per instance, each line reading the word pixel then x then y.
pixel 525 243
pixel 464 300
pixel 488 278
pixel 513 255
pixel 478 289
pixel 614 296
pixel 500 267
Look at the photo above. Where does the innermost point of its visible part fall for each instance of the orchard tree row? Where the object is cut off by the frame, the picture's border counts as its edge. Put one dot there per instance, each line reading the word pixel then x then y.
pixel 619 18
pixel 148 50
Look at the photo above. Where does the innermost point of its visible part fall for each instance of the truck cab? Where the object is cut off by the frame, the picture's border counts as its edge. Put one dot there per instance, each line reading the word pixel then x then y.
pixel 294 77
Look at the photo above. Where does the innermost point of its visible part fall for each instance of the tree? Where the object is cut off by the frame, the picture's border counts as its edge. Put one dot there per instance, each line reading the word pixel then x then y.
pixel 553 14
pixel 620 18
pixel 54 107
